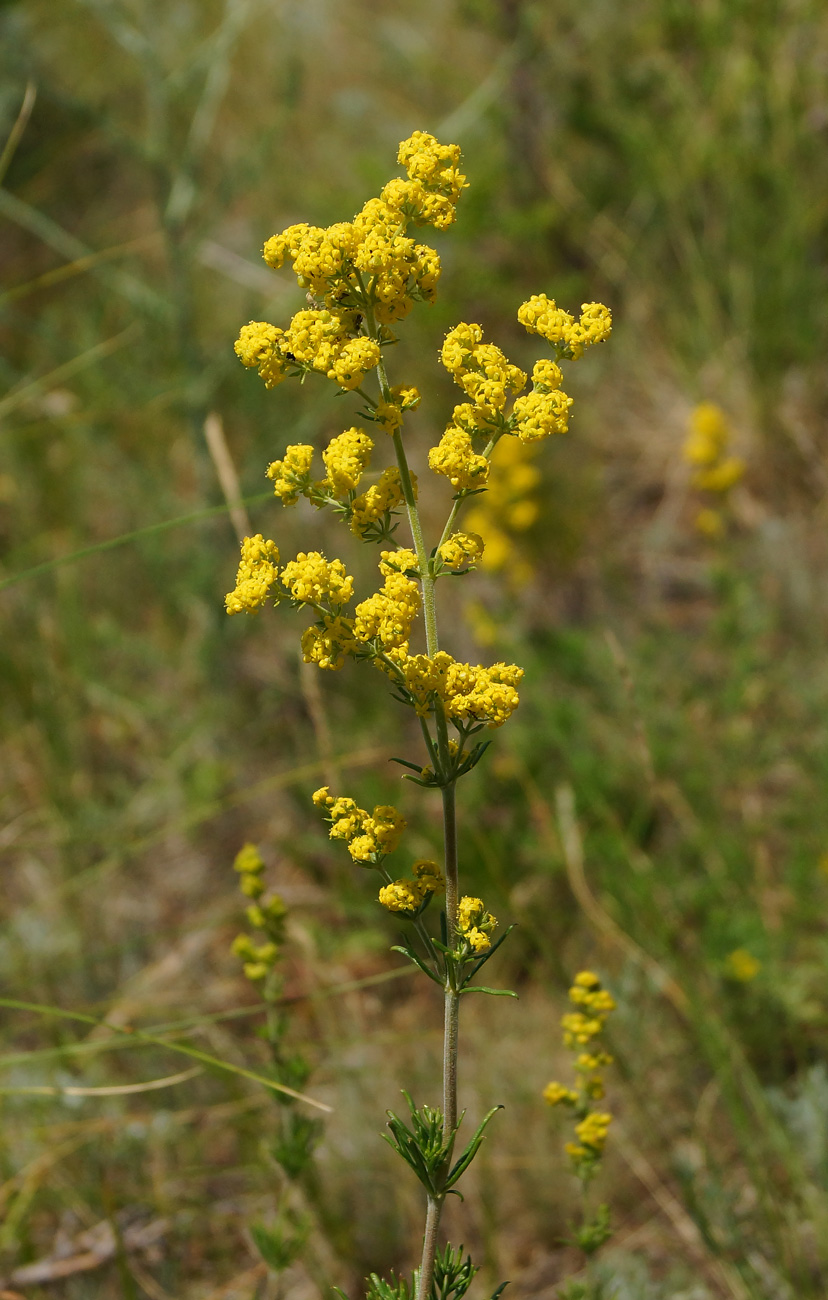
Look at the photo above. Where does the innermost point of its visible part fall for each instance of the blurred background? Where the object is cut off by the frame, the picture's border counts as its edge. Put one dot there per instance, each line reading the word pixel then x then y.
pixel 655 810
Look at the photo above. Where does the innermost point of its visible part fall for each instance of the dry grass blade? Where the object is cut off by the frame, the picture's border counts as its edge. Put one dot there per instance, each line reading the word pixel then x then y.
pixel 112 1090
pixel 226 474
pixel 16 133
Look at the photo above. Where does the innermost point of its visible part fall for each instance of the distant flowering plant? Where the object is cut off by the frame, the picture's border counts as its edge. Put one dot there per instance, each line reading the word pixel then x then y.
pixel 715 472
pixel 363 277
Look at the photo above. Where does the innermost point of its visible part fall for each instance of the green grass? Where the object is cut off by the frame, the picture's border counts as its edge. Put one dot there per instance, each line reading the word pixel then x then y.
pixel 667 158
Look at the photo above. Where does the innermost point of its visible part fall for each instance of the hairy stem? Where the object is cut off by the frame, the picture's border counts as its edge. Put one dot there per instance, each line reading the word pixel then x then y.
pixel 425 1277
pixel 450 1036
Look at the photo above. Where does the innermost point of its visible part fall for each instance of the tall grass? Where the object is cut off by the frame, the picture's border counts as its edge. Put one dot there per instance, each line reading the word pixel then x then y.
pixel 672 157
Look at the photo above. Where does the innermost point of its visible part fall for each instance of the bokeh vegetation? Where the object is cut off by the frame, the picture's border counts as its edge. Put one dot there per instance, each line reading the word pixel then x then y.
pixel 656 808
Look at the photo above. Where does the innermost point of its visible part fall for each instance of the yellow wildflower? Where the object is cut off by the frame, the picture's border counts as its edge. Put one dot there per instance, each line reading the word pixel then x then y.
pixel 258 345
pixel 592 1130
pixel 380 499
pixel 721 477
pixel 389 415
pixel 327 644
pixel 389 614
pixel 248 860
pixel 353 362
pixel 743 966
pixel 402 896
pixel 475 924
pixel 291 476
pixel 540 315
pixel 311 579
pixel 435 165
pixel 403 560
pixel 429 876
pixel 461 550
pixel 346 458
pixel 467 690
pixel 555 1093
pixel 709 434
pixel 256 574
pixel 454 456
pixel 539 414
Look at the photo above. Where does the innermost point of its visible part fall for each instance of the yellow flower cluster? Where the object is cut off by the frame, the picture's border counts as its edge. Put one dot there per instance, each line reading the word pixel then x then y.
pixel 259 959
pixel 455 457
pixel 259 348
pixel 316 339
pixel 387 616
pixel 581 1029
pixel 380 500
pixel 256 574
pixel 436 166
pixel 369 262
pixel 489 379
pixel 705 449
pixel 541 316
pixel 408 896
pixel 591 1133
pixel 742 966
pixel 507 508
pixel 540 414
pixel 461 550
pixel 291 476
pixel 328 642
pixel 312 580
pixel 346 458
pixel 370 837
pixel 400 561
pixel 389 415
pixel 481 369
pixel 469 692
pixel 475 925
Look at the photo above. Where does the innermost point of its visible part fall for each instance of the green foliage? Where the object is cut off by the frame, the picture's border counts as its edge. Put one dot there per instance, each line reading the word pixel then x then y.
pixel 675 153
pixel 595 1232
pixel 280 1245
pixel 424 1147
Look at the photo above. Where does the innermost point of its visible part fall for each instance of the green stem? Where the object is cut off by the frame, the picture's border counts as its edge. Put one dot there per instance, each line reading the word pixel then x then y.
pixel 425 1276
pixel 451 1011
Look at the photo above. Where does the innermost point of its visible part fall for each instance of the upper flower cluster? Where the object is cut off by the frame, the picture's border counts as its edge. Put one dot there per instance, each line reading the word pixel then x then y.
pixel 369 267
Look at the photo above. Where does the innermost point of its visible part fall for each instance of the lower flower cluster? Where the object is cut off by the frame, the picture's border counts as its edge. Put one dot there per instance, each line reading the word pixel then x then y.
pixel 469 693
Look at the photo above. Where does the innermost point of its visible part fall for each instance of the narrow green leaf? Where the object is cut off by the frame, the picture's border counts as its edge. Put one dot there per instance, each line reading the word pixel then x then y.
pixel 481 988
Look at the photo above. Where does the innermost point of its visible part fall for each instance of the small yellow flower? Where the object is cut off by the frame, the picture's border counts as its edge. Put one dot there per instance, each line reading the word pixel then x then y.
pixel 248 860
pixel 742 966
pixel 461 550
pixel 555 1093
pixel 402 896
pixel 710 522
pixel 346 458
pixel 256 574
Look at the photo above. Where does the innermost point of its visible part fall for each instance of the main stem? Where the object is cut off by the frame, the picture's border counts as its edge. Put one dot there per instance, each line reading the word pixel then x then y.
pixel 451 1007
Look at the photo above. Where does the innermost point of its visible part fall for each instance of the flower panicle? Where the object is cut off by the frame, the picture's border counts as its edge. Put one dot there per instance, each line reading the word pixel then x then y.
pixel 582 1031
